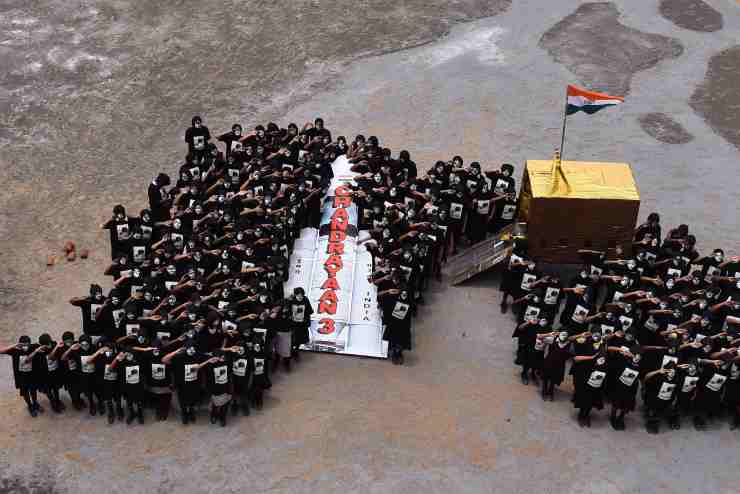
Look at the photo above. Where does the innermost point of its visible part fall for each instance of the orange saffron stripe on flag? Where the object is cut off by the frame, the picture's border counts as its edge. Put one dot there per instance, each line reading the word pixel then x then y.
pixel 592 95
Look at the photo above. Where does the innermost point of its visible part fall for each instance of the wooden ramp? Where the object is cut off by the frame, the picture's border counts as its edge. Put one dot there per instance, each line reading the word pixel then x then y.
pixel 481 256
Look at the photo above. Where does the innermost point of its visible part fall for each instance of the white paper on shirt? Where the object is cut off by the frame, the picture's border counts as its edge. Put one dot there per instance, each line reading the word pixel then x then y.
pixel 711 271
pixel 110 374
pixel 139 253
pixel 158 372
pixel 666 391
pixel 259 366
pixel 117 316
pixel 456 210
pixel 626 322
pixel 527 279
pixel 551 295
pixel 51 364
pixel 596 379
pixel 240 367
pixel 580 314
pixel 25 364
pixel 299 311
pixel 199 142
pixel 87 367
pixel 220 374
pixel 94 310
pixel 508 212
pixel 122 231
pixel 716 382
pixel 191 372
pixel 132 374
pixel 400 310
pixel 132 329
pixel 668 358
pixel 689 384
pixel 484 206
pixel 628 376
pixel 531 313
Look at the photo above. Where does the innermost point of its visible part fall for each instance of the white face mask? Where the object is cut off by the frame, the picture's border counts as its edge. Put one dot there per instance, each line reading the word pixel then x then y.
pixel 299 298
pixel 191 351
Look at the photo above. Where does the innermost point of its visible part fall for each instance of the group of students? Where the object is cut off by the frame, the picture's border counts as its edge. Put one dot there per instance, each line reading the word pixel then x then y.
pixel 197 306
pixel 664 321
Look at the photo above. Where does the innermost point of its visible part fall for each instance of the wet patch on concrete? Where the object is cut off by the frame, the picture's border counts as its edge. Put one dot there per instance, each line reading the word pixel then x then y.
pixel 691 14
pixel 716 99
pixel 601 51
pixel 663 128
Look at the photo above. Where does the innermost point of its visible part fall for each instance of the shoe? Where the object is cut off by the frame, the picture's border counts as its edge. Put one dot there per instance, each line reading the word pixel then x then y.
pixel 620 424
pixel 652 427
pixel 61 405
pixel 38 407
pixel 286 364
pixel 400 359
pixel 111 415
pixel 192 415
pixel 131 417
pixel 535 380
pixel 587 420
pixel 32 411
pixel 675 424
pixel 504 307
pixel 93 409
pixel 185 417
pixel 234 408
pixel 297 354
pixel 613 422
pixel 699 423
pixel 79 404
pixel 552 396
pixel 222 419
pixel 525 378
pixel 213 416
pixel 581 421
pixel 245 410
pixel 120 413
pixel 140 415
pixel 735 424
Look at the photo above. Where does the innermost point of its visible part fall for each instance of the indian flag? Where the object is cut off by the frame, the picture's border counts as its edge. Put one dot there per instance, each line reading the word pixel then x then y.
pixel 590 102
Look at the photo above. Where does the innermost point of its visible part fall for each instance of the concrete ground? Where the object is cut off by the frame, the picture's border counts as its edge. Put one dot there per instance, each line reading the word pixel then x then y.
pixel 95 97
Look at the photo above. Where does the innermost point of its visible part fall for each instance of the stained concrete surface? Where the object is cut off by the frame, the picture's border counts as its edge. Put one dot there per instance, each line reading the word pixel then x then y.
pixel 455 419
pixel 691 14
pixel 663 128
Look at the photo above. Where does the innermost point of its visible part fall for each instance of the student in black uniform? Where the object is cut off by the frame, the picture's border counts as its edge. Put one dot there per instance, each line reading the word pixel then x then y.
pixel 24 355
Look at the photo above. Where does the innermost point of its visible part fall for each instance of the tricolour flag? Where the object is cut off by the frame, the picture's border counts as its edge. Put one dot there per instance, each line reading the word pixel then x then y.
pixel 589 101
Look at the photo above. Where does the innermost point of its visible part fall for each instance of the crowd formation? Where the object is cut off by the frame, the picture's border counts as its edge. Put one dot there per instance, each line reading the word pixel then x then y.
pixel 197 306
pixel 664 320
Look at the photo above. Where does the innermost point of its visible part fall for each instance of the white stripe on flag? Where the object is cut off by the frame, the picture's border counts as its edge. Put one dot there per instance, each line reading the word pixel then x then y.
pixel 583 101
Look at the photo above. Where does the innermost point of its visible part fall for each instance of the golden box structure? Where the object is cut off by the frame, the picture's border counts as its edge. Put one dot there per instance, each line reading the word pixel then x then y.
pixel 573 205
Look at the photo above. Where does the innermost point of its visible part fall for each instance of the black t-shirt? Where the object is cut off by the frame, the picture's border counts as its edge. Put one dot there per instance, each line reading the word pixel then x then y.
pixel 197 138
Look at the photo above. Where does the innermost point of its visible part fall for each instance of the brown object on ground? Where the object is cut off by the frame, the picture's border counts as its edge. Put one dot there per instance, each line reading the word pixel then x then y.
pixel 71 256
pixel 69 246
pixel 577 205
pixel 84 254
pixel 663 128
pixel 50 260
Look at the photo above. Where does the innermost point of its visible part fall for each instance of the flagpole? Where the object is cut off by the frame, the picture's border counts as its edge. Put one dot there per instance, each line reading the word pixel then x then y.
pixel 565 115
